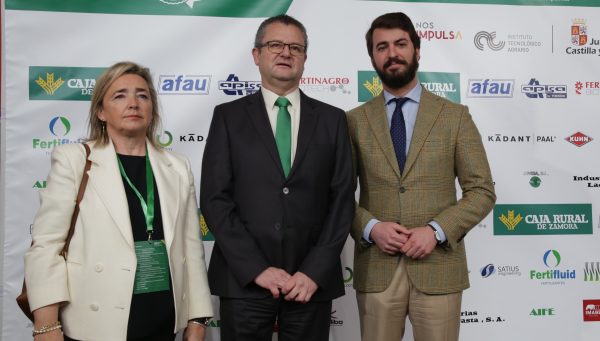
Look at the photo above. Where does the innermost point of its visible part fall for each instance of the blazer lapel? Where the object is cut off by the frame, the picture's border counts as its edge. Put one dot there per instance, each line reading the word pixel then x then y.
pixel 429 110
pixel 105 177
pixel 308 122
pixel 168 185
pixel 257 112
pixel 377 118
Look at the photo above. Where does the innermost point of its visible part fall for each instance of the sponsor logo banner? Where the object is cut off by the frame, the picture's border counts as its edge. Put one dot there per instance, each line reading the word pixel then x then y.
pixel 542 219
pixel 204 8
pixel 588 3
pixel 591 310
pixel 581 42
pixel 443 84
pixel 62 83
pixel 206 234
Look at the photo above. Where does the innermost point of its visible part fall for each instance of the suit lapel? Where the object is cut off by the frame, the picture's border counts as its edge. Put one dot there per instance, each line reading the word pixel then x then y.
pixel 429 110
pixel 377 118
pixel 257 112
pixel 106 180
pixel 168 185
pixel 308 122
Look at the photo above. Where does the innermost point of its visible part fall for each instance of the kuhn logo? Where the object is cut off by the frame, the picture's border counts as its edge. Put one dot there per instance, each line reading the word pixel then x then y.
pixel 579 139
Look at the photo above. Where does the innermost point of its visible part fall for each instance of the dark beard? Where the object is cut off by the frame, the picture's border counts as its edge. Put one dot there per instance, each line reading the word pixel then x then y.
pixel 398 80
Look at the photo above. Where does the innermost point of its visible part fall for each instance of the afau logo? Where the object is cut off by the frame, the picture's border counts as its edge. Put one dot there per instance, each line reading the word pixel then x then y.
pixel 62 83
pixel 542 219
pixel 206 234
pixel 581 42
pixel 183 85
pixel 579 139
pixel 533 89
pixel 591 272
pixel 591 310
pixel 233 86
pixel 165 140
pixel 552 276
pixel 491 88
pixel 59 127
pixel 587 88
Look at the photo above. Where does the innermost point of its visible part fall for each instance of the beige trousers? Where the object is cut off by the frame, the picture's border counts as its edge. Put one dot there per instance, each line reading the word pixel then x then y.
pixel 383 314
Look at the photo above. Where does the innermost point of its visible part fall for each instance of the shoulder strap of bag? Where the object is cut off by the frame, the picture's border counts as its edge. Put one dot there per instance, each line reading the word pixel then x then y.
pixel 82 186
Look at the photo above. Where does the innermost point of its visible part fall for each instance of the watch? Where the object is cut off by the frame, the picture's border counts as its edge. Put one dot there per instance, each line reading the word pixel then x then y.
pixel 437 235
pixel 203 321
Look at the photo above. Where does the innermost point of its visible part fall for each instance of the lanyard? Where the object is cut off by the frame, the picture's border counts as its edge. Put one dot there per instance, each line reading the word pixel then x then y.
pixel 148 204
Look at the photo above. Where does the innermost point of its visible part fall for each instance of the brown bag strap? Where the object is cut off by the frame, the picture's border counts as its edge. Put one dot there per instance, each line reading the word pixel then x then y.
pixel 82 186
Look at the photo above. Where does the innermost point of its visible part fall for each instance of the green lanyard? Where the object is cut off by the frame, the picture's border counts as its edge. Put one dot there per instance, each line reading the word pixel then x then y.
pixel 148 204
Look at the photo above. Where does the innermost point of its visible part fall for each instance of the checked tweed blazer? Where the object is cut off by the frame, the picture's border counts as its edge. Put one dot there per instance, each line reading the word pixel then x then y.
pixel 445 146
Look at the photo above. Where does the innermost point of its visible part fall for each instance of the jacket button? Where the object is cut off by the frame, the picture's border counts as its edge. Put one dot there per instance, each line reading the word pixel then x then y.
pixel 402 189
pixel 98 267
pixel 286 190
pixel 277 226
pixel 94 307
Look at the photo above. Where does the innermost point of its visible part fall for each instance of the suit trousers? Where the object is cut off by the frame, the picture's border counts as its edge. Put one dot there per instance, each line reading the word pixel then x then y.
pixel 245 319
pixel 383 314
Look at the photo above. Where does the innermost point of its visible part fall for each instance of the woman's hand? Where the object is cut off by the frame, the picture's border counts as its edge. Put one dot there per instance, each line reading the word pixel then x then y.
pixel 194 332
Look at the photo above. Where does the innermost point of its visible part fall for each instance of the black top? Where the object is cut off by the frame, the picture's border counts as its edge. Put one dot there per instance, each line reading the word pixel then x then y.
pixel 152 315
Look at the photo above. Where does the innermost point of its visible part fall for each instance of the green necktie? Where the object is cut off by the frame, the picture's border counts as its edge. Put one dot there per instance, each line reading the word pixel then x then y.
pixel 283 134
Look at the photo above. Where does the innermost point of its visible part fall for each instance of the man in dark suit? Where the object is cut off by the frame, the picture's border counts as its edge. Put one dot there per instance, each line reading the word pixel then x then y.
pixel 277 193
pixel 410 147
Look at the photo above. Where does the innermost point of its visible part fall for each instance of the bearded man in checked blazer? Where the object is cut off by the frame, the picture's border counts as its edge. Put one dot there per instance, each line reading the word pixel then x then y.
pixel 409 226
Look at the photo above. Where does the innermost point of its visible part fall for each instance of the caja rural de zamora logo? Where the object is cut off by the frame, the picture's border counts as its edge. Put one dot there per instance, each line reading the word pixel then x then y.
pixel 542 219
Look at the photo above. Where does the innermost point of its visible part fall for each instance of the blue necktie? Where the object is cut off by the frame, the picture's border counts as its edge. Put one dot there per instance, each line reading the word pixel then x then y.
pixel 398 132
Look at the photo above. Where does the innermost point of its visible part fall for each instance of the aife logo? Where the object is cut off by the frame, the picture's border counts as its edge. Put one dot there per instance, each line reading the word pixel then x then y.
pixel 59 126
pixel 510 220
pixel 42 184
pixel 591 272
pixel 579 139
pixel 50 85
pixel 487 270
pixel 542 312
pixel 489 39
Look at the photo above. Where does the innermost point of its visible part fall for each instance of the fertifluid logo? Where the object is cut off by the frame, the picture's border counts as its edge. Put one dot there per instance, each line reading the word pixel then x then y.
pixel 533 89
pixel 552 276
pixel 183 84
pixel 488 88
pixel 232 86
pixel 59 127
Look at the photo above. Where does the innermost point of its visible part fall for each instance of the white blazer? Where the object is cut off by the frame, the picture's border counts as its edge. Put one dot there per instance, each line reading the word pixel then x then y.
pixel 96 281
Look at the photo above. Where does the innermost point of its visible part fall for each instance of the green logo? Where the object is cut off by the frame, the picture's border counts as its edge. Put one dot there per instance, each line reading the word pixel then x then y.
pixel 542 219
pixel 535 181
pixel 169 139
pixel 203 8
pixel 62 83
pixel 587 3
pixel 206 234
pixel 443 84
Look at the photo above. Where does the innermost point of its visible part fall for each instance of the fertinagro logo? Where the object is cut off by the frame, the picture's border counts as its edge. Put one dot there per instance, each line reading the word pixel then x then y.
pixel 542 219
pixel 205 8
pixel 62 83
pixel 443 84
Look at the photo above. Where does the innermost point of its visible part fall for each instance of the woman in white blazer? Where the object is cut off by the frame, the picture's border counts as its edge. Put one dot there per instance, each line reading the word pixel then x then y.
pixel 135 268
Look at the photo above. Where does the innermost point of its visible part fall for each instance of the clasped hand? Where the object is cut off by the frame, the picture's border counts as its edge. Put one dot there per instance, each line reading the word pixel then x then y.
pixel 393 238
pixel 298 287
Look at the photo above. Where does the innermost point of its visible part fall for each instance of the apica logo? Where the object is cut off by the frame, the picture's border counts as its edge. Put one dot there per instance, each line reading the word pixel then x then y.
pixel 487 270
pixel 591 272
pixel 59 126
pixel 233 86
pixel 534 90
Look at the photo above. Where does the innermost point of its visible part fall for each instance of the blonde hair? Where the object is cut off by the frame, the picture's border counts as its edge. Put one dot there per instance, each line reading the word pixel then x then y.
pixel 96 127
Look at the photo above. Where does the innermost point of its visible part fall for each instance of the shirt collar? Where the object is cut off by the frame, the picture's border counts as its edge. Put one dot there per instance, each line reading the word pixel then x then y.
pixel 270 97
pixel 414 94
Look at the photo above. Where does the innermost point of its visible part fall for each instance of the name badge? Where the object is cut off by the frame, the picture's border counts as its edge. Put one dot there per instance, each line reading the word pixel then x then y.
pixel 152 272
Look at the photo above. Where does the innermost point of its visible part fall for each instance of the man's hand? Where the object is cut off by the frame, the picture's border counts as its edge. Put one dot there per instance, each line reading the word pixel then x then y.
pixel 194 332
pixel 272 279
pixel 299 288
pixel 390 237
pixel 420 243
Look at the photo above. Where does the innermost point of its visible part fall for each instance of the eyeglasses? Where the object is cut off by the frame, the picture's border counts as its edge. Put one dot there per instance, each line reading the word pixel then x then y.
pixel 275 46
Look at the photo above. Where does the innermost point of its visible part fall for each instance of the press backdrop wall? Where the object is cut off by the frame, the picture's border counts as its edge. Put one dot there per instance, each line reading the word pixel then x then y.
pixel 529 71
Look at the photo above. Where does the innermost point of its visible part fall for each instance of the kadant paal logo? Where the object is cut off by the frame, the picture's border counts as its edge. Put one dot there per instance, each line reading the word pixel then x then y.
pixel 579 139
pixel 591 310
